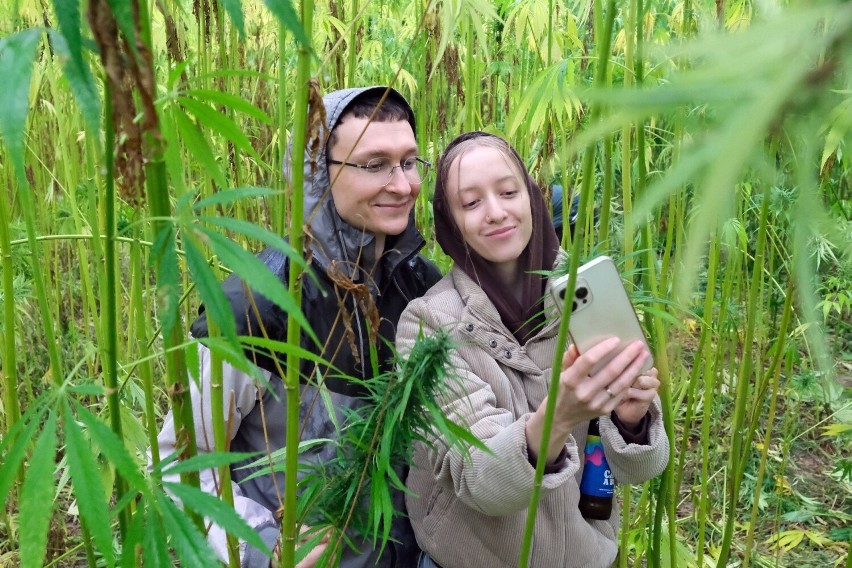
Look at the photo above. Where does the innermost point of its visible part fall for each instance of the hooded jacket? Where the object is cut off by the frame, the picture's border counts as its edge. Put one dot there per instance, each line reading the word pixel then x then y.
pixel 337 251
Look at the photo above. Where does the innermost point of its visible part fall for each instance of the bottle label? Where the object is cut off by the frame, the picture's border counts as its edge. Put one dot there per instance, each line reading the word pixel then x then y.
pixel 597 478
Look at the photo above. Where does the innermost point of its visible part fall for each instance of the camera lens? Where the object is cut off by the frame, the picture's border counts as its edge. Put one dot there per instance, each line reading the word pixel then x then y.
pixel 574 308
pixel 562 294
pixel 581 292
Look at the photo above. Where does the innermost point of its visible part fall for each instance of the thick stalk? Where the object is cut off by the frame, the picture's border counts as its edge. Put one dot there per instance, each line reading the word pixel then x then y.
pixel 303 73
pixel 574 261
pixel 736 459
pixel 140 318
pixel 176 379
pixel 220 438
pixel 626 143
pixel 279 222
pixel 11 404
pixel 109 323
pixel 711 363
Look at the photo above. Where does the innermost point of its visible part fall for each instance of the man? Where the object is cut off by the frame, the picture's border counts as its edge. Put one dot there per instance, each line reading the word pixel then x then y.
pixel 359 204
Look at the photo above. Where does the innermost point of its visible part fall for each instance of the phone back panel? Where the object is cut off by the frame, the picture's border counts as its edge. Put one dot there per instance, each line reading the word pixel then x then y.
pixel 602 309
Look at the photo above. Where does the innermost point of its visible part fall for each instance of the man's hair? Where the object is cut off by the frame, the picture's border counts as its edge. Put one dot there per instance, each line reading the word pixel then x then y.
pixel 392 110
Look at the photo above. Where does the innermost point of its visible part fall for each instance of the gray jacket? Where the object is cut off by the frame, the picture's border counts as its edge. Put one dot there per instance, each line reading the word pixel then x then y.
pixel 257 412
pixel 471 513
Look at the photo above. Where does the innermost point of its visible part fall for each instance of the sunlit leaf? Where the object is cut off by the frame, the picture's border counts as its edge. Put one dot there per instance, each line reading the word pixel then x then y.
pixel 36 506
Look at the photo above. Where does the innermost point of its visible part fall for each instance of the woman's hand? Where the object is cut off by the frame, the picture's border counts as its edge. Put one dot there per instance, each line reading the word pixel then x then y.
pixel 583 396
pixel 637 398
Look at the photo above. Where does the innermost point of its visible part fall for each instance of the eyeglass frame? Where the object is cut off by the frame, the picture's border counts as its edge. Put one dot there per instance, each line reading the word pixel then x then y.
pixel 366 167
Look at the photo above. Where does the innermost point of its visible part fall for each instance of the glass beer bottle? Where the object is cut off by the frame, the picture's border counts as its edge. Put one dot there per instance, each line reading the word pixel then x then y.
pixel 597 485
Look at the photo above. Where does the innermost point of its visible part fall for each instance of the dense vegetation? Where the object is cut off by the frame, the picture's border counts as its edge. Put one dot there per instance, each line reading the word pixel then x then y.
pixel 712 139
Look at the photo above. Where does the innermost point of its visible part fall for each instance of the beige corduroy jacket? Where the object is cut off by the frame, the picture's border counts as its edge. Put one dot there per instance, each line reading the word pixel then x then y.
pixel 470 513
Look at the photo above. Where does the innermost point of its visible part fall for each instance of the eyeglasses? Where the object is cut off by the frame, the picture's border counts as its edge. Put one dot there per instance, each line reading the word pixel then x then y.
pixel 381 169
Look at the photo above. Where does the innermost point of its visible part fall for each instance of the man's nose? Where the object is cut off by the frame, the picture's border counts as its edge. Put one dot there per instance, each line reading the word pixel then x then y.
pixel 398 182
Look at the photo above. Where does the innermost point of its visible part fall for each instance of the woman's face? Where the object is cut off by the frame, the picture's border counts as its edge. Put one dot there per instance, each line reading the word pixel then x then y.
pixel 490 204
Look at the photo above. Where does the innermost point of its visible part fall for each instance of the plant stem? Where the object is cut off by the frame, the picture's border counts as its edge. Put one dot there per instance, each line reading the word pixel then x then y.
pixel 574 261
pixel 288 522
pixel 109 324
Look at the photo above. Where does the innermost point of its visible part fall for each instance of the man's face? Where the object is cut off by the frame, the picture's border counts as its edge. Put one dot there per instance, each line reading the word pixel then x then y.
pixel 362 198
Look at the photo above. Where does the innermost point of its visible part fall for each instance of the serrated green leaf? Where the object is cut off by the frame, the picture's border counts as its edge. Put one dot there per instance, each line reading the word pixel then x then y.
pixel 235 12
pixel 233 102
pixel 287 17
pixel 87 487
pixel 234 356
pixel 22 435
pixel 172 156
pixel 79 76
pixel 36 507
pixel 220 123
pixel 278 458
pixel 17 53
pixel 155 551
pixel 187 540
pixel 216 510
pixel 232 195
pixel 197 145
pixel 215 303
pixel 283 347
pixel 113 448
pixel 258 276
pixel 262 235
pixel 202 461
pixel 133 538
pixel 164 257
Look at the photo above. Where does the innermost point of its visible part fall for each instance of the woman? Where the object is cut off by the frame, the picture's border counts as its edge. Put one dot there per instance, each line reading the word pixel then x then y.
pixel 470 512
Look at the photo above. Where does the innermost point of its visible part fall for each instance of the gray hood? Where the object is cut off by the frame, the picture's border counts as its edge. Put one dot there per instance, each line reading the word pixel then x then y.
pixel 334 239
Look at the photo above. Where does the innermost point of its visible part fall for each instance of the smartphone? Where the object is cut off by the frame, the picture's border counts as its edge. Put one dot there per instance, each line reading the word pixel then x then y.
pixel 600 309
